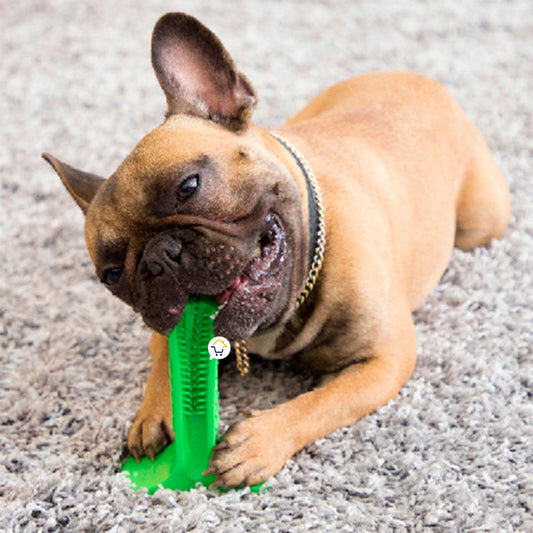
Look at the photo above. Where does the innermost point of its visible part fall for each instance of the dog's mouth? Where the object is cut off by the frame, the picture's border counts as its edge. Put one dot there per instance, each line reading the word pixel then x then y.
pixel 266 259
pixel 255 288
pixel 253 297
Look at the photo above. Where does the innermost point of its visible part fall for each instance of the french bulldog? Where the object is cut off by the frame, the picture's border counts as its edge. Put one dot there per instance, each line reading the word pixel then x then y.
pixel 318 239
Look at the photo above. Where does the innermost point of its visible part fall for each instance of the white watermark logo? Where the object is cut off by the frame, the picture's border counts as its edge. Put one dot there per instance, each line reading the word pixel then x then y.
pixel 219 348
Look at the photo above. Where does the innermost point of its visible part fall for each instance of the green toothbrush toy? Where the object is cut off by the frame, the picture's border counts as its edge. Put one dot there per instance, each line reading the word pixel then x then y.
pixel 194 394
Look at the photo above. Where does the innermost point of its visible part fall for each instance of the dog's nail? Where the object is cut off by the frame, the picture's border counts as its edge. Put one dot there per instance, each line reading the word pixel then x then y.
pixel 218 484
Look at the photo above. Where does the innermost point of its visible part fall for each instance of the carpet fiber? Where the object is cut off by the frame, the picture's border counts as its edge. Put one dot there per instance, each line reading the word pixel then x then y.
pixel 453 452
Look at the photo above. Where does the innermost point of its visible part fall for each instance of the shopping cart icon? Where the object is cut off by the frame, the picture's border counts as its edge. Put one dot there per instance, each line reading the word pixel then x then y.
pixel 219 348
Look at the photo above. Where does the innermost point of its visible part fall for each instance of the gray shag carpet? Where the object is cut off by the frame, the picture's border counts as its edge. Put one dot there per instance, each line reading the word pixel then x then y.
pixel 453 452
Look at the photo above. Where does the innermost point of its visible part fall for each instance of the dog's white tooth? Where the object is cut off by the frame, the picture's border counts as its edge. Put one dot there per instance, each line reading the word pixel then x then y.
pixel 221 306
pixel 257 252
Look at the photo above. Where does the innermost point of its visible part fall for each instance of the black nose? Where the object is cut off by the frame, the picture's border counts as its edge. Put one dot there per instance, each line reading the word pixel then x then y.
pixel 161 253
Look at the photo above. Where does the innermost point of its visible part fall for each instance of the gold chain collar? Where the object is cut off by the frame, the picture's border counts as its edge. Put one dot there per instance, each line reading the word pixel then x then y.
pixel 241 352
pixel 318 256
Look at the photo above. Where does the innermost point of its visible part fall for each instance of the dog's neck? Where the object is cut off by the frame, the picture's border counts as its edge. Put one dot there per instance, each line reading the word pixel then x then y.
pixel 266 343
pixel 317 223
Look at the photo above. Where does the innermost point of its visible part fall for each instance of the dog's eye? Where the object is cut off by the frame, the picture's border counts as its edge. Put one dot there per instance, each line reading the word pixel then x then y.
pixel 111 276
pixel 188 186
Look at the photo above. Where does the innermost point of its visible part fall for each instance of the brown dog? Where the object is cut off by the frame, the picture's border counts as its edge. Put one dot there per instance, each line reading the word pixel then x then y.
pixel 209 203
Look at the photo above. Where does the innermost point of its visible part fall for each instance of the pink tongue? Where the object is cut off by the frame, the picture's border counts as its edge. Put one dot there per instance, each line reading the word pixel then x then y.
pixel 223 296
pixel 174 311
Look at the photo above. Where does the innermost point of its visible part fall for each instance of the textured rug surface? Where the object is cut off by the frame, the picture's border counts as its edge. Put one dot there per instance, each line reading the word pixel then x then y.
pixel 453 452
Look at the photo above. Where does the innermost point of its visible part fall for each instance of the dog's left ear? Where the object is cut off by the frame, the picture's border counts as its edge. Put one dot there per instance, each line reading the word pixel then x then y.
pixel 198 75
pixel 81 185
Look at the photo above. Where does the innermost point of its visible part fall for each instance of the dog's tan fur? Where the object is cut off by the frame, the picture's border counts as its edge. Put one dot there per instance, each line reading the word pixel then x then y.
pixel 405 176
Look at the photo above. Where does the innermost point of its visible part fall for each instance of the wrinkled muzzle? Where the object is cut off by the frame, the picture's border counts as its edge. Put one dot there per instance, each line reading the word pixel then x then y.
pixel 180 262
pixel 247 269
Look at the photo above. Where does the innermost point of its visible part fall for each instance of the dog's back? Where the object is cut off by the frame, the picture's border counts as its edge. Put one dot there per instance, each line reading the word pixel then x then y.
pixel 408 148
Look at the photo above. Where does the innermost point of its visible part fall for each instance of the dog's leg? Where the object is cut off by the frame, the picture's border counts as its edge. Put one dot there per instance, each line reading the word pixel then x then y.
pixel 152 427
pixel 259 446
pixel 483 205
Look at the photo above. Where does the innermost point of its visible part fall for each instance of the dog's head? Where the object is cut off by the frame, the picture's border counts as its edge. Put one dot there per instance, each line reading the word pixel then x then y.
pixel 200 205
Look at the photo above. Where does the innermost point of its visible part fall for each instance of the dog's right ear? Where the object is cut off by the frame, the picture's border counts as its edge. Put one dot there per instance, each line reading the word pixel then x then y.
pixel 82 186
pixel 197 74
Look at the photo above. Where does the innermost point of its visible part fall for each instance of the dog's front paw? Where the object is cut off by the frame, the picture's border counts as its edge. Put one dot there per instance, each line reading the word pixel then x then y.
pixel 252 451
pixel 151 430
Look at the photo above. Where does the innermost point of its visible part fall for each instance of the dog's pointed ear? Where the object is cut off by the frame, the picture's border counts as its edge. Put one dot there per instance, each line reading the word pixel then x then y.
pixel 82 186
pixel 198 75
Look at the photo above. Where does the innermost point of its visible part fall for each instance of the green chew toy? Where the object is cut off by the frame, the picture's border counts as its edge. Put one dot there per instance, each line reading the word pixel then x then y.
pixel 194 394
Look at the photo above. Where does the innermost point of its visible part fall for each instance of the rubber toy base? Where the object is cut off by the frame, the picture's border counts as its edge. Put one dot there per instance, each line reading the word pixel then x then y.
pixel 162 473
